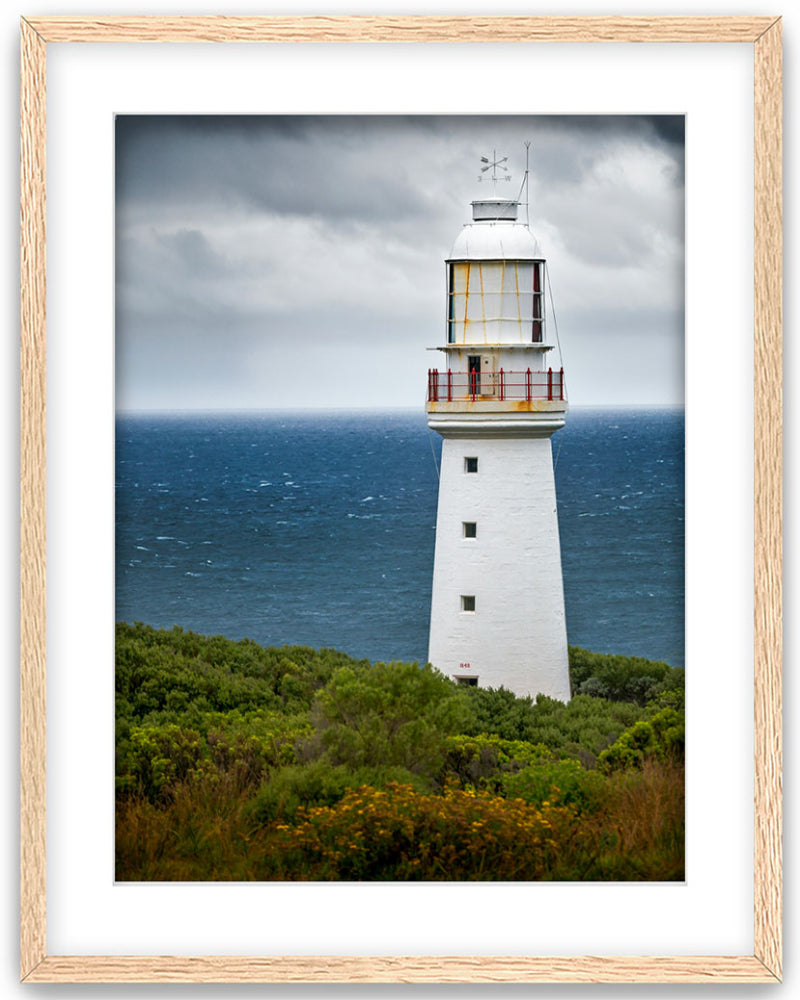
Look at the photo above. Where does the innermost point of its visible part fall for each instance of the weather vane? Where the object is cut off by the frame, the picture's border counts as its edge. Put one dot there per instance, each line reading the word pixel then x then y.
pixel 494 164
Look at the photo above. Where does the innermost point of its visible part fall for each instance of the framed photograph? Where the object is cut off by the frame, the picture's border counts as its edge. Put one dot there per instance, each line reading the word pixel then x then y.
pixel 77 923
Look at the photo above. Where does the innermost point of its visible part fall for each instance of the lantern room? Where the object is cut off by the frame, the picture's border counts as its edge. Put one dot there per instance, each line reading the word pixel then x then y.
pixel 495 279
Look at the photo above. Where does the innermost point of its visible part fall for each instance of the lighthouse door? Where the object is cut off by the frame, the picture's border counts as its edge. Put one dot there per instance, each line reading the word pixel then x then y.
pixel 474 363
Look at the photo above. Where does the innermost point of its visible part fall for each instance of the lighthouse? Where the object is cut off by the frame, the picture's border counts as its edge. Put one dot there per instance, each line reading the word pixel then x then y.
pixel 497 604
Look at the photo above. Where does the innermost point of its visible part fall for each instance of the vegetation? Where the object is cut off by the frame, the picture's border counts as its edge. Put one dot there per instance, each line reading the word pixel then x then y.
pixel 238 762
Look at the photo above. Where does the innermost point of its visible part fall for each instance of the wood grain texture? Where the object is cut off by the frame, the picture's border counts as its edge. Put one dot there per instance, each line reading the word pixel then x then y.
pixel 765 964
pixel 768 498
pixel 415 969
pixel 400 29
pixel 32 501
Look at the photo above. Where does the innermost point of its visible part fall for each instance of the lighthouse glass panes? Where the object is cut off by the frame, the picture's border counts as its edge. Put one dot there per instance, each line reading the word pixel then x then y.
pixel 495 302
pixel 538 303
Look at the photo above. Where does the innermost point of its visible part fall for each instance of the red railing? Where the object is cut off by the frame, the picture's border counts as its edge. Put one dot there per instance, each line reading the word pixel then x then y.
pixel 449 386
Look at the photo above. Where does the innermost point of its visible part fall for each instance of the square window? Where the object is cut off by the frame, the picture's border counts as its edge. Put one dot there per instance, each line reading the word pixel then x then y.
pixel 468 602
pixel 467 681
pixel 470 529
pixel 470 465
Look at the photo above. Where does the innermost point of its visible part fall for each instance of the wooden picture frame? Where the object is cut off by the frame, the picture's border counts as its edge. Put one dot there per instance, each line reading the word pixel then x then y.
pixel 764 965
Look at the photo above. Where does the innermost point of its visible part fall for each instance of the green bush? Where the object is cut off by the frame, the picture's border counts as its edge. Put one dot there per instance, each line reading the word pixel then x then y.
pixel 161 673
pixel 661 737
pixel 563 782
pixel 318 784
pixel 621 678
pixel 480 761
pixel 155 757
pixel 582 728
pixel 388 715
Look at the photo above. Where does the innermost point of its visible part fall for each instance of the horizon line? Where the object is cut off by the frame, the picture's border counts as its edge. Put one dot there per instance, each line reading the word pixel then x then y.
pixel 361 409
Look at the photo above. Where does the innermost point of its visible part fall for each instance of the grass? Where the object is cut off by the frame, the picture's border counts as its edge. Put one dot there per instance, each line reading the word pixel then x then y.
pixel 205 831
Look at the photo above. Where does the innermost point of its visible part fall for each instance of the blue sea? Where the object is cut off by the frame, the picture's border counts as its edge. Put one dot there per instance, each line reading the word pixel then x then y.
pixel 318 529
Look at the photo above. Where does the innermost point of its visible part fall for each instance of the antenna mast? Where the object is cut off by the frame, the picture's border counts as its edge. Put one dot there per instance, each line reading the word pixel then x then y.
pixel 527 199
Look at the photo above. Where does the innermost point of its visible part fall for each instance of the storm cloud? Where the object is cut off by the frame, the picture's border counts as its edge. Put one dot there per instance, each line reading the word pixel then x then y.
pixel 297 261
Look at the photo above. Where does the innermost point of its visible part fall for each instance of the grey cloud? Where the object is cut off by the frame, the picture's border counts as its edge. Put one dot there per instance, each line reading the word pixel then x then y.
pixel 192 253
pixel 351 167
pixel 171 276
pixel 289 167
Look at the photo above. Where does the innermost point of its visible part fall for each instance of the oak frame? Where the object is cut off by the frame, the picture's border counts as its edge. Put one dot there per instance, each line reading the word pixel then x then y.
pixel 764 34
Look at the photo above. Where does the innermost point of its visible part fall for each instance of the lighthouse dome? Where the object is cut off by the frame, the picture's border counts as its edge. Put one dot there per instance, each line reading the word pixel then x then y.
pixel 495 234
pixel 495 241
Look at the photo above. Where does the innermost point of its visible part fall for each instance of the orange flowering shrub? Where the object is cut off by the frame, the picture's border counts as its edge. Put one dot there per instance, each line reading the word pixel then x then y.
pixel 397 834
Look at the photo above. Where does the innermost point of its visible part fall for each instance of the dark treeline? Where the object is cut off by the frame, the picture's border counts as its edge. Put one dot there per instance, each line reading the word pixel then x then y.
pixel 240 762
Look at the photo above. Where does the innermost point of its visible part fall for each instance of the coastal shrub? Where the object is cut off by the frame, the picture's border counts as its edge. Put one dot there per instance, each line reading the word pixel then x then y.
pixel 282 728
pixel 162 672
pixel 154 758
pixel 585 723
pixel 150 758
pixel 499 712
pixel 390 714
pixel 581 728
pixel 563 782
pixel 318 784
pixel 661 737
pixel 396 833
pixel 480 761
pixel 621 678
pixel 248 757
pixel 671 698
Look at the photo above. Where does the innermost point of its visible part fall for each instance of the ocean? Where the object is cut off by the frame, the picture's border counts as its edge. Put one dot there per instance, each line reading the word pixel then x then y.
pixel 318 529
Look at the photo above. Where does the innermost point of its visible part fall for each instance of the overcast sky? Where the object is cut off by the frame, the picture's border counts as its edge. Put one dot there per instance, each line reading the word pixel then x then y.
pixel 298 262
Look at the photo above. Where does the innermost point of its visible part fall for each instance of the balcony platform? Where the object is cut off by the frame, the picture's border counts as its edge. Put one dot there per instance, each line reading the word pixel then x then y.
pixel 496 417
pixel 492 404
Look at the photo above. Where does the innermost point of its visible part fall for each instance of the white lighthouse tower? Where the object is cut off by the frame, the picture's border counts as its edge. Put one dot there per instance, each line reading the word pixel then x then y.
pixel 497 608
